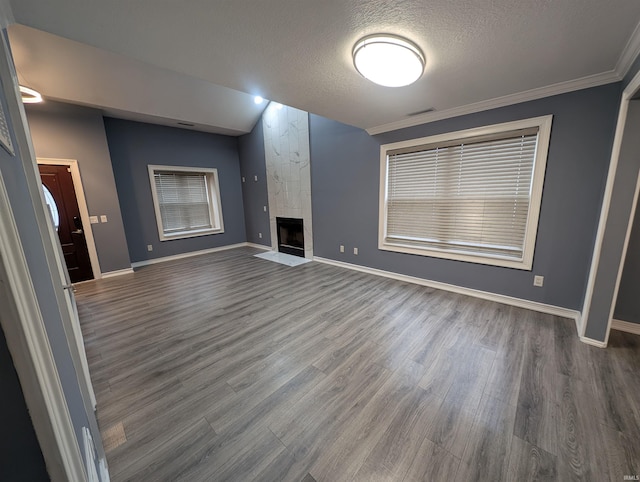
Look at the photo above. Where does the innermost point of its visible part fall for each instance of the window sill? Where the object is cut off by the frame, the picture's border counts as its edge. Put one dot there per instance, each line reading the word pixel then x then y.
pixel 189 234
pixel 504 262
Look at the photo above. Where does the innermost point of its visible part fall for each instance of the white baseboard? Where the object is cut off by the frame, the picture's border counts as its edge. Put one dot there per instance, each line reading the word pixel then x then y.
pixel 260 246
pixel 592 342
pixel 120 272
pixel 147 262
pixel 485 295
pixel 625 326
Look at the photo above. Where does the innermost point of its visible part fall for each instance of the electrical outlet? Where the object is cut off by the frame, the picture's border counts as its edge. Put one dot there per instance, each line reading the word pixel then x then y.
pixel 342 248
pixel 103 218
pixel 264 208
pixel 355 251
pixel 538 280
pixel 243 179
pixel 260 235
pixel 255 178
pixel 149 247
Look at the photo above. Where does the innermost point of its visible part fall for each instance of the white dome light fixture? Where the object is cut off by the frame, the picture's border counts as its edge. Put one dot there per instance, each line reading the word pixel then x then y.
pixel 388 60
pixel 30 96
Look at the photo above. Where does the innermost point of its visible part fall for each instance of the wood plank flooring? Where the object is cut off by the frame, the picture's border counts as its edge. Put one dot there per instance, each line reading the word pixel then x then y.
pixel 229 367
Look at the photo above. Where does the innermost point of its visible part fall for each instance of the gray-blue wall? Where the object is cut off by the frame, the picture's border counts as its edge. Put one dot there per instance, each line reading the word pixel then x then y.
pixel 20 455
pixel 345 187
pixel 135 145
pixel 628 302
pixel 14 170
pixel 254 193
pixel 597 316
pixel 63 131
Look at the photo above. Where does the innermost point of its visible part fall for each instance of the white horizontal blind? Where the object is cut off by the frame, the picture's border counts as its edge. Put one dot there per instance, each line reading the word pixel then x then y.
pixel 183 199
pixel 472 196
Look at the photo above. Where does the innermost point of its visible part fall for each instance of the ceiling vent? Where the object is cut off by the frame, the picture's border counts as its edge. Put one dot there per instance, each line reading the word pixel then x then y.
pixel 430 109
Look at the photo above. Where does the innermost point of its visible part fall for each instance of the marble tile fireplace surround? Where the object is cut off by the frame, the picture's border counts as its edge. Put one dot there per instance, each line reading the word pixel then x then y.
pixel 286 147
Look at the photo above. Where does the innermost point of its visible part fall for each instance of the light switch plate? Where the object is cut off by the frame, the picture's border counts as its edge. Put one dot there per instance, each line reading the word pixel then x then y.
pixel 538 280
pixel 93 219
pixel 103 218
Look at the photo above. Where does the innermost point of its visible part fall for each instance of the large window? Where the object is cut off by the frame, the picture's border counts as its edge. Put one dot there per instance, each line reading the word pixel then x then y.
pixel 186 201
pixel 471 195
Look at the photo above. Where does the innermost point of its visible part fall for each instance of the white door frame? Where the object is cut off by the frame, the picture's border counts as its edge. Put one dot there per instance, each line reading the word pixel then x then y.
pixel 82 204
pixel 70 299
pixel 28 343
pixel 632 89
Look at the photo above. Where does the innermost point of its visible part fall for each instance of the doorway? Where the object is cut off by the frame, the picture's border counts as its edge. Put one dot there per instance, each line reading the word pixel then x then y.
pixel 62 202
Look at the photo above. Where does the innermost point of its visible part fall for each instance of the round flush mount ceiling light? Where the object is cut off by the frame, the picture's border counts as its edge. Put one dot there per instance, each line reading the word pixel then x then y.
pixel 388 60
pixel 30 96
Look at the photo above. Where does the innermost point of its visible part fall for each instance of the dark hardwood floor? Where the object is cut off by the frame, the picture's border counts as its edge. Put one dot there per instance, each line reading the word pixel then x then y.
pixel 229 367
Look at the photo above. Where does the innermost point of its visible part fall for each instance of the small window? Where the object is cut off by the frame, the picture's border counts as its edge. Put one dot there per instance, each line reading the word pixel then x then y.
pixel 51 205
pixel 471 195
pixel 186 201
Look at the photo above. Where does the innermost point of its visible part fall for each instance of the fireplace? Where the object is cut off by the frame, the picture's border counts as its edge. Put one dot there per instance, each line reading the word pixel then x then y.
pixel 290 236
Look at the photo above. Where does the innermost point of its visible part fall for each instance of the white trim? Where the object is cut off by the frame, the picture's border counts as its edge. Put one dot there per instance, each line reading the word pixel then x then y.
pixel 27 339
pixel 33 358
pixel 628 93
pixel 629 54
pixel 511 99
pixel 623 257
pixel 90 455
pixel 579 323
pixel 592 342
pixel 119 272
pixel 260 246
pixel 485 295
pixel 215 205
pixel 82 205
pixel 625 326
pixel 95 266
pixel 27 159
pixel 174 257
pixel 543 123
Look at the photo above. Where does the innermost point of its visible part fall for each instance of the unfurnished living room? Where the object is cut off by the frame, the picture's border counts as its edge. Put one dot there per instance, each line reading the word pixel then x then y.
pixel 307 241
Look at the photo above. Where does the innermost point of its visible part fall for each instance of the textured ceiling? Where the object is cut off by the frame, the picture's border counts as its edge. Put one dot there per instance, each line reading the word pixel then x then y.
pixel 298 52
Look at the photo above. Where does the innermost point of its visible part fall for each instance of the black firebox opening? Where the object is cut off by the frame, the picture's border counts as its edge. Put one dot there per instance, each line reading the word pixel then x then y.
pixel 290 236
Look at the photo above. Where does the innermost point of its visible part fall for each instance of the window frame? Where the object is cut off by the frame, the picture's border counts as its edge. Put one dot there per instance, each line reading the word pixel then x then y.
pixel 543 123
pixel 215 205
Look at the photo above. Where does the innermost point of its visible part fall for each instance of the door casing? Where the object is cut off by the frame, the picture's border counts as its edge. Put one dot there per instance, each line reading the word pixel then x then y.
pixel 82 204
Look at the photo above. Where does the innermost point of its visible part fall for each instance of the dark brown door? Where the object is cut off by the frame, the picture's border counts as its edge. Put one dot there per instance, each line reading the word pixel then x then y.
pixel 58 182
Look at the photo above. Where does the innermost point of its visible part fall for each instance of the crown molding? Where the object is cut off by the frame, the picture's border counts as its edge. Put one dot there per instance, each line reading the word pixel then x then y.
pixel 629 54
pixel 511 99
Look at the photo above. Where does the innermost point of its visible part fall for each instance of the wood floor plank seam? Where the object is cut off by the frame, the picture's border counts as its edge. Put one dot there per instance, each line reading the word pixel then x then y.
pixel 227 367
